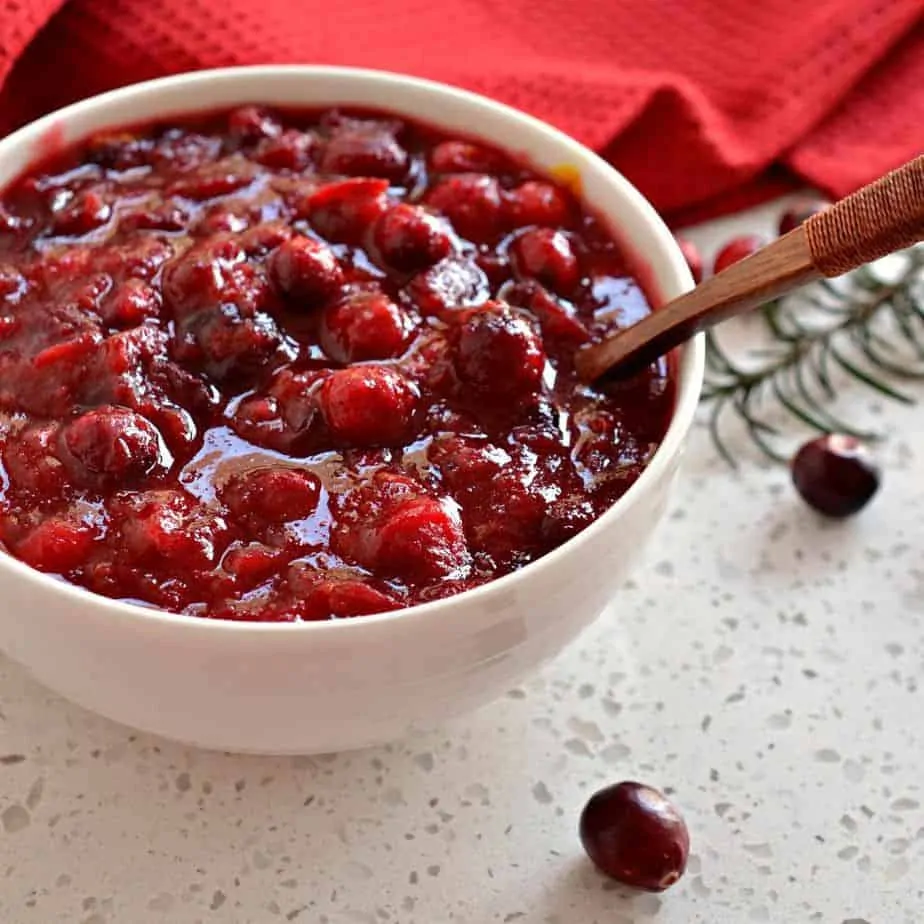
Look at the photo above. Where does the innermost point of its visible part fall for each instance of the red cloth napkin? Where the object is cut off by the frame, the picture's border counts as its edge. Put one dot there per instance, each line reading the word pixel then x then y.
pixel 692 99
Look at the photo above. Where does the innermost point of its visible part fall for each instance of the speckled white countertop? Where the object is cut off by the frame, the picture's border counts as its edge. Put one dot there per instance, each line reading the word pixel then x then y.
pixel 762 665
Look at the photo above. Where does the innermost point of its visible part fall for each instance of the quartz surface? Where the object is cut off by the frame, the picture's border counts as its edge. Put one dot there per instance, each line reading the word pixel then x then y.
pixel 762 665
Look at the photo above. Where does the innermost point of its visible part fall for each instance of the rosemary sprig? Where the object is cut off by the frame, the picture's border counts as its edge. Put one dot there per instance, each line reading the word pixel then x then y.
pixel 867 327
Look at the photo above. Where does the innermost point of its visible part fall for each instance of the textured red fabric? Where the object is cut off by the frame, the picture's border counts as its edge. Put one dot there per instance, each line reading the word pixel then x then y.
pixel 692 99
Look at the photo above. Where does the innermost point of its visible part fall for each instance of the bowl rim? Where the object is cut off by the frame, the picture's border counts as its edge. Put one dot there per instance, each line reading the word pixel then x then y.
pixel 689 369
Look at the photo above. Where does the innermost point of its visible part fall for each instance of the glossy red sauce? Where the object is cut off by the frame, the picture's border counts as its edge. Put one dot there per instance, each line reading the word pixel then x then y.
pixel 282 366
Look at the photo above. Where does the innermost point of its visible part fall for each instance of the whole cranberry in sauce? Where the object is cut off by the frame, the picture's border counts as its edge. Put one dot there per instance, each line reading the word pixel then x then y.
pixel 364 325
pixel 547 256
pixel 472 203
pixel 112 444
pixel 500 350
pixel 408 237
pixel 288 365
pixel 369 406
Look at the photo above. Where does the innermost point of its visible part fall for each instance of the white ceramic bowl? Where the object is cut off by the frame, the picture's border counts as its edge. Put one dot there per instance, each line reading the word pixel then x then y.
pixel 313 687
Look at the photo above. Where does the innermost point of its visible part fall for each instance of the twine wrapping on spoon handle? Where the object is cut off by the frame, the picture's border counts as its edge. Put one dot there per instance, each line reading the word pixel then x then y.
pixel 885 216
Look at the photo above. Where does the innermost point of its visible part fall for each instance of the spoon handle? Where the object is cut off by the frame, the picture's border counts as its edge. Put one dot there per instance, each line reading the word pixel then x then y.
pixel 878 219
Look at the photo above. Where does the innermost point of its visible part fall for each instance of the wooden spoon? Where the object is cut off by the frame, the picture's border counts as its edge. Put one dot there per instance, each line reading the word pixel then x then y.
pixel 886 216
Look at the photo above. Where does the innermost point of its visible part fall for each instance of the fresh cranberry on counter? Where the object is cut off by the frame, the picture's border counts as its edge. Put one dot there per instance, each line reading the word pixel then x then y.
pixel 635 835
pixel 836 475
pixel 800 212
pixel 693 257
pixel 736 250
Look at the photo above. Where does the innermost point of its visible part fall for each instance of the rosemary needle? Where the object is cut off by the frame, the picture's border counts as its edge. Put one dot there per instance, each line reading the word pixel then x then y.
pixel 869 327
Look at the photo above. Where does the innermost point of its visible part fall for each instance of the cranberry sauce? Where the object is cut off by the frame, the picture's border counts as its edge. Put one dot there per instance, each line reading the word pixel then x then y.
pixel 283 366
